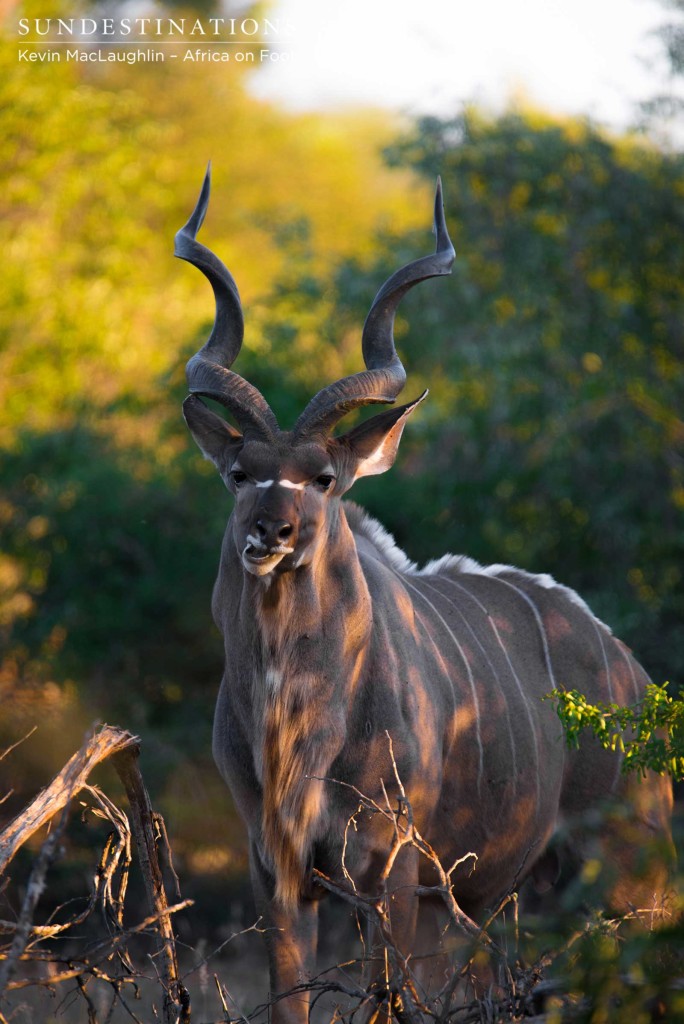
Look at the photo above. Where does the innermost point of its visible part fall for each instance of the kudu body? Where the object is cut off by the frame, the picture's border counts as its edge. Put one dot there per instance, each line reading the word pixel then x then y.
pixel 333 640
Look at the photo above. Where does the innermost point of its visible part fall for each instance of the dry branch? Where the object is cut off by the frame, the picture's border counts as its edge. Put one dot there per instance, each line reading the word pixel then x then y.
pixel 34 889
pixel 147 831
pixel 102 951
pixel 63 788
pixel 400 992
pixel 111 876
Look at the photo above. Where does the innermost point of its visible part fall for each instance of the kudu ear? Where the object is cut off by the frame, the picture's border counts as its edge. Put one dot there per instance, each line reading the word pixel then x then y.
pixel 216 439
pixel 373 445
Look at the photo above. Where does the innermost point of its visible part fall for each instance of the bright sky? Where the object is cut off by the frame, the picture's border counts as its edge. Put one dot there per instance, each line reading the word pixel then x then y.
pixel 575 56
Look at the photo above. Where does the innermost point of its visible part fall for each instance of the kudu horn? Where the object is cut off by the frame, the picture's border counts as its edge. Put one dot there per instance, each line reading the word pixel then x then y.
pixel 208 372
pixel 384 376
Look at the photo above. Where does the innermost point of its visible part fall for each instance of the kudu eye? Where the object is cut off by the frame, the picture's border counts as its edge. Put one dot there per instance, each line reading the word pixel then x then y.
pixel 238 477
pixel 325 481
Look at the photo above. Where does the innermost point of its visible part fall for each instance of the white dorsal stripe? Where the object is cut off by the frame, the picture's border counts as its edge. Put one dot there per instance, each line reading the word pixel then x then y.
pixel 463 565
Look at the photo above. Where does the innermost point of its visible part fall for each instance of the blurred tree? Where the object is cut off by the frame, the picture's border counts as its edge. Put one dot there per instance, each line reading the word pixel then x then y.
pixel 672 36
pixel 665 108
pixel 557 362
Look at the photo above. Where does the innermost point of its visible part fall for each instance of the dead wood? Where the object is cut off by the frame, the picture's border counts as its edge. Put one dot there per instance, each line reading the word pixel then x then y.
pixel 148 830
pixel 111 878
pixel 64 787
pixel 34 889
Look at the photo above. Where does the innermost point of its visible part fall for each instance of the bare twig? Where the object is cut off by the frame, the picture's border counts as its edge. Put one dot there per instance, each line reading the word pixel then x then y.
pixel 8 750
pixel 399 990
pixel 34 889
pixel 102 951
pixel 219 949
pixel 222 997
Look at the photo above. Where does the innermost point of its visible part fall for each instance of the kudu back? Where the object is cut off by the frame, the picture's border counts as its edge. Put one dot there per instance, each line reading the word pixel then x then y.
pixel 334 639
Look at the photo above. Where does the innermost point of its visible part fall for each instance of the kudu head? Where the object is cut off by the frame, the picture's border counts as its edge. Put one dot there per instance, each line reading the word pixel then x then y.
pixel 287 483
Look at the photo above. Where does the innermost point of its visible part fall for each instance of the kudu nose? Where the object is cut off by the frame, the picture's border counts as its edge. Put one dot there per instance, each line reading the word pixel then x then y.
pixel 274 534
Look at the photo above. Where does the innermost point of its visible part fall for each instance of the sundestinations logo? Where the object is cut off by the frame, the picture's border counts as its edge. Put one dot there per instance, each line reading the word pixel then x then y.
pixel 142 29
pixel 159 39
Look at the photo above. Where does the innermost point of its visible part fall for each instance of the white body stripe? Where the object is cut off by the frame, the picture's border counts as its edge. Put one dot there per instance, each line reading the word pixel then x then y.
pixel 526 705
pixel 538 619
pixel 609 678
pixel 471 681
pixel 483 650
pixel 623 652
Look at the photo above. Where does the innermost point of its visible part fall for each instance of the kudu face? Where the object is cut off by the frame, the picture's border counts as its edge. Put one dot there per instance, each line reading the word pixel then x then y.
pixel 280 507
pixel 286 494
pixel 287 485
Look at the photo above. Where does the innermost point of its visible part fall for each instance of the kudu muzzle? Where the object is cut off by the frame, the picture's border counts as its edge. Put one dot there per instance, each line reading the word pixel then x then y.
pixel 273 533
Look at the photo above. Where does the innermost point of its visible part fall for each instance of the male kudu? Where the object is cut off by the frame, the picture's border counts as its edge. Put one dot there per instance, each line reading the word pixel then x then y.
pixel 334 639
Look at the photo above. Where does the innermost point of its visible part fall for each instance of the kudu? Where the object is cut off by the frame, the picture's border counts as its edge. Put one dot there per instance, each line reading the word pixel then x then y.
pixel 334 639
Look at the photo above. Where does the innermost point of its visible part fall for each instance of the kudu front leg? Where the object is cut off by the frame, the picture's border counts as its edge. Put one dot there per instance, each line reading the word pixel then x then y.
pixel 395 926
pixel 291 941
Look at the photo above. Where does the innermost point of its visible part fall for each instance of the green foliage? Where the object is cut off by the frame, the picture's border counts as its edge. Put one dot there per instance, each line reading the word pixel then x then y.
pixel 649 735
pixel 617 975
pixel 555 357
pixel 101 168
pixel 671 35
